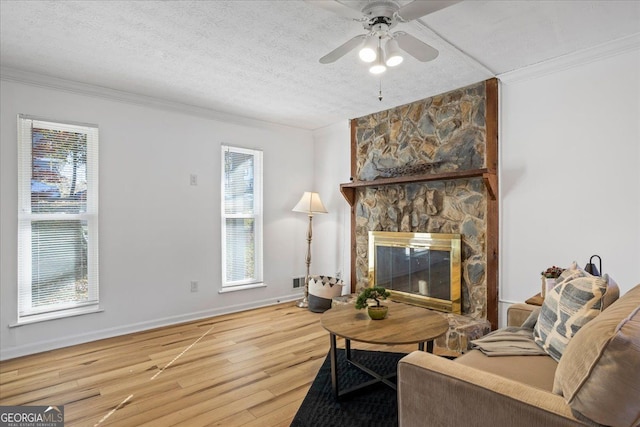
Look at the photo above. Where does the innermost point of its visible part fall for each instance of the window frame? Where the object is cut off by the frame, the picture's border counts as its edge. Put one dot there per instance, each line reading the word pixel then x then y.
pixel 26 312
pixel 257 215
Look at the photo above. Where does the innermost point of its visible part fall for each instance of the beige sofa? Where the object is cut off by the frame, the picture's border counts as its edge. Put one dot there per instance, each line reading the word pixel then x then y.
pixel 596 382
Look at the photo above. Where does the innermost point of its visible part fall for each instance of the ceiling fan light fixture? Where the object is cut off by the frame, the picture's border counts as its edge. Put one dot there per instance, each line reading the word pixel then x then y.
pixel 378 67
pixel 368 50
pixel 393 53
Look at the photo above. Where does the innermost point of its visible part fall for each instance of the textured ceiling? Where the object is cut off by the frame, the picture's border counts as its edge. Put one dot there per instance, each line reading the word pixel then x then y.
pixel 259 59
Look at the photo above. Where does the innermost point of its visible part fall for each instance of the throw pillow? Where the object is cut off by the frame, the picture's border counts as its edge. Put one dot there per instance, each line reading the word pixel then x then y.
pixel 599 374
pixel 566 308
pixel 612 293
pixel 530 322
pixel 571 273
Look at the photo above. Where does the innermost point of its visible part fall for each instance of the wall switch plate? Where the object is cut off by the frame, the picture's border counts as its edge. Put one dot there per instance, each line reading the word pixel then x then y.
pixel 194 286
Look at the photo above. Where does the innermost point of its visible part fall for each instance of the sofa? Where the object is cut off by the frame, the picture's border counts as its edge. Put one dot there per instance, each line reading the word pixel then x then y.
pixel 595 382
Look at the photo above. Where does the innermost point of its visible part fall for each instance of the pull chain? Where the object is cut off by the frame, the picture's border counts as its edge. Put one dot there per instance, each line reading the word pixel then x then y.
pixel 380 91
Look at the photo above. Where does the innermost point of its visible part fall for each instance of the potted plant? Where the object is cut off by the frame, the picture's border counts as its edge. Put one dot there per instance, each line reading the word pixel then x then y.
pixel 376 293
pixel 549 277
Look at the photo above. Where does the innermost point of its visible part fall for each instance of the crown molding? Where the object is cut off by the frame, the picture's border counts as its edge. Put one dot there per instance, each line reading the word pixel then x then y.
pixel 50 82
pixel 574 59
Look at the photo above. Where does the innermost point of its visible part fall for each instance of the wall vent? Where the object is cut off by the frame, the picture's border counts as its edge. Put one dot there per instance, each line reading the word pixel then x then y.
pixel 298 282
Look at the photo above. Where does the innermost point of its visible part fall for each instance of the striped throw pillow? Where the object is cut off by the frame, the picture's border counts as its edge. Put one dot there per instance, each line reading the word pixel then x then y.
pixel 566 308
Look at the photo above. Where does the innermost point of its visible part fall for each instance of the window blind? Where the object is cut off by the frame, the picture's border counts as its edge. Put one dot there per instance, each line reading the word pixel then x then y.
pixel 57 217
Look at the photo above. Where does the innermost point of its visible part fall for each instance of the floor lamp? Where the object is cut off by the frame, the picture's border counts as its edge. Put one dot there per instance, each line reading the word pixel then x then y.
pixel 310 204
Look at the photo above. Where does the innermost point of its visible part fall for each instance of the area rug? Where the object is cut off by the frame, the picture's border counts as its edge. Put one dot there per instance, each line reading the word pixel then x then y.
pixel 376 405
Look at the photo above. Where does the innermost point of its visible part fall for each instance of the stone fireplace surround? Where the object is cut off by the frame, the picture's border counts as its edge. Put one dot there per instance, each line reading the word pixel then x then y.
pixel 430 166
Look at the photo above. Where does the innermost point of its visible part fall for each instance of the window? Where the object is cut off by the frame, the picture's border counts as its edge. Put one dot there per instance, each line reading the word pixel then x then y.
pixel 57 219
pixel 241 218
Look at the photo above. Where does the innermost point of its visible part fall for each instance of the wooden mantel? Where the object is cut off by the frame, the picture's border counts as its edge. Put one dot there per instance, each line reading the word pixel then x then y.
pixel 348 190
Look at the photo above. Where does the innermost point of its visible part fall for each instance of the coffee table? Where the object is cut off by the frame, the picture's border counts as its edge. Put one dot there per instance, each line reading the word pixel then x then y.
pixel 405 324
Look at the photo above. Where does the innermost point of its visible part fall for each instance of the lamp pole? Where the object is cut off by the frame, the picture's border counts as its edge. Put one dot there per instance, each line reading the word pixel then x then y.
pixel 310 204
pixel 304 303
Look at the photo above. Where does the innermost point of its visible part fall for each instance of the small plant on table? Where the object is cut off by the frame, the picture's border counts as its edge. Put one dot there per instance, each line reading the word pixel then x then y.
pixel 376 293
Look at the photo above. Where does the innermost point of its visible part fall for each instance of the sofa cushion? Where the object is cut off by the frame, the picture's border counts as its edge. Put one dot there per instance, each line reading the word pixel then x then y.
pixel 536 371
pixel 599 373
pixel 566 308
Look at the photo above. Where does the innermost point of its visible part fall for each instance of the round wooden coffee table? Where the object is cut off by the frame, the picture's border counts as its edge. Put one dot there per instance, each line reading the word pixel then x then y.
pixel 405 324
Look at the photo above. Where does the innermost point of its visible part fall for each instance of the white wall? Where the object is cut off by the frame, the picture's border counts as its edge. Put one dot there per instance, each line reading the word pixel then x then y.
pixel 569 175
pixel 332 241
pixel 157 233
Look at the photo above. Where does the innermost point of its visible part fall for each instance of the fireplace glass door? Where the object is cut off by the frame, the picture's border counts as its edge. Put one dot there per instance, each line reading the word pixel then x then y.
pixel 418 271
pixel 418 268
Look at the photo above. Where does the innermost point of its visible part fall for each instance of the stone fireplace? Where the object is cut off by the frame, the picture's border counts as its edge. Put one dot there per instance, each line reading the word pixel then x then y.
pixel 430 167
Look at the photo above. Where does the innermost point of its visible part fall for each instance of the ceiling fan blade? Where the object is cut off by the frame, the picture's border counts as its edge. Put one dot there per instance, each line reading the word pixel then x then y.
pixel 419 8
pixel 342 50
pixel 416 48
pixel 337 8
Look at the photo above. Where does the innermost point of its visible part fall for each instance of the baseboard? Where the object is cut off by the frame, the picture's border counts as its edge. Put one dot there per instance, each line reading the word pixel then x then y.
pixel 57 343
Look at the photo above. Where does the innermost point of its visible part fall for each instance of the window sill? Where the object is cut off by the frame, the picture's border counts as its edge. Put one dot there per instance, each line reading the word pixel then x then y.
pixel 242 287
pixel 37 318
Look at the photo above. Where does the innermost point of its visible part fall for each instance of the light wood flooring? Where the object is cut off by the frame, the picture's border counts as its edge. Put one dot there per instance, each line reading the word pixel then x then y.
pixel 252 368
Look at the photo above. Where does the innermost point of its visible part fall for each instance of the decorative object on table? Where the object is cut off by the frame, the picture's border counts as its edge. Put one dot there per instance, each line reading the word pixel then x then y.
pixel 591 267
pixel 549 277
pixel 322 289
pixel 310 204
pixel 376 293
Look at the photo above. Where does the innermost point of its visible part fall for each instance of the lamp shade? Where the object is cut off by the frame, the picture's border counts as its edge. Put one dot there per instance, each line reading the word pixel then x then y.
pixel 378 66
pixel 368 51
pixel 393 54
pixel 310 204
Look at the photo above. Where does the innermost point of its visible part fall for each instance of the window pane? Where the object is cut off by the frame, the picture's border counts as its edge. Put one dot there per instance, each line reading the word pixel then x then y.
pixel 58 171
pixel 59 262
pixel 240 249
pixel 238 188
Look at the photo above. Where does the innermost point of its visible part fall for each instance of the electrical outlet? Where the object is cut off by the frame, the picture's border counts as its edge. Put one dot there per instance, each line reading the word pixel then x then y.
pixel 193 179
pixel 194 286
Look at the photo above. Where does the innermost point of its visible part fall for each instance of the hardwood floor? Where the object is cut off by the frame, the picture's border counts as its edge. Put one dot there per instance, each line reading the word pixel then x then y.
pixel 252 368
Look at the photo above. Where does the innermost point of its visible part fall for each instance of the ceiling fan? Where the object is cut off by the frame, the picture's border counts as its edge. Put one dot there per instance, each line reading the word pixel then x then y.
pixel 379 17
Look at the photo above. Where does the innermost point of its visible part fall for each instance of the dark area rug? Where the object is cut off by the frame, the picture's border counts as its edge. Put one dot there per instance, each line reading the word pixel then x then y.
pixel 376 405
